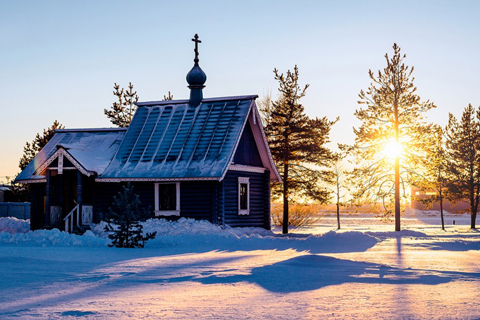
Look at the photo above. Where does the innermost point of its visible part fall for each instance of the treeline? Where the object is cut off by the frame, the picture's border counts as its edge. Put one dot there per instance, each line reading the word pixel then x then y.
pixel 395 147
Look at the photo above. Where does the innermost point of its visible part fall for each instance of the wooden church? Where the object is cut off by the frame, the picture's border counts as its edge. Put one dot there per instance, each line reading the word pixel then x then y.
pixel 199 158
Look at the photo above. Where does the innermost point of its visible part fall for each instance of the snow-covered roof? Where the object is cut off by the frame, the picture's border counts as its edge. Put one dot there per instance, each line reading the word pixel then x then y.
pixel 170 140
pixel 93 149
pixel 166 140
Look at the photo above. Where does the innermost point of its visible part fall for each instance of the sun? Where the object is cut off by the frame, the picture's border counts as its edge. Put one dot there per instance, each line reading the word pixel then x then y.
pixel 392 149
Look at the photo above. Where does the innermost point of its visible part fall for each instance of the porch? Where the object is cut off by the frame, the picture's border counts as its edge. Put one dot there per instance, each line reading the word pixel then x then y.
pixel 68 201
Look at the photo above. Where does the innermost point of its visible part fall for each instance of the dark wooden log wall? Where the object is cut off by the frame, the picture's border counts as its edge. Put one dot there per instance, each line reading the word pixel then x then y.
pixel 247 151
pixel 105 191
pixel 259 197
pixel 197 198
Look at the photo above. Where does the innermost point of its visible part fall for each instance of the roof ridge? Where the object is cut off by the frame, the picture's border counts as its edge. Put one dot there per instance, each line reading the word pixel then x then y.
pixel 186 101
pixel 90 129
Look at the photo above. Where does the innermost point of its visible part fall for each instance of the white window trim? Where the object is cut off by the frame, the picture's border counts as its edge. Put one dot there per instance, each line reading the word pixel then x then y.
pixel 157 201
pixel 242 180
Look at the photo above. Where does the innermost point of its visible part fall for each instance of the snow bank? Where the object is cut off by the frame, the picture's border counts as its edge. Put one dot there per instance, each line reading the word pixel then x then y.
pixel 185 226
pixel 15 231
pixel 14 225
pixel 190 235
pixel 47 238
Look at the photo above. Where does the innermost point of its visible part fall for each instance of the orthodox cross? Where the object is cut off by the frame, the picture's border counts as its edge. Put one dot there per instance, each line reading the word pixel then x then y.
pixel 195 39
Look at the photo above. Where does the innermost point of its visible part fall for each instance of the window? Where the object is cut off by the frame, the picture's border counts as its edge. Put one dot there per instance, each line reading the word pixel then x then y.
pixel 167 199
pixel 243 196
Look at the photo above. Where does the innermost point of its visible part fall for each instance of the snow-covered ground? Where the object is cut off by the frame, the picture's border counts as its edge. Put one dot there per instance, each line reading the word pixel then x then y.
pixel 195 270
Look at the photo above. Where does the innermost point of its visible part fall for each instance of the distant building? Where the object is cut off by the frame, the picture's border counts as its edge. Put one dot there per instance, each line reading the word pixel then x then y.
pixel 3 189
pixel 198 158
pixel 418 195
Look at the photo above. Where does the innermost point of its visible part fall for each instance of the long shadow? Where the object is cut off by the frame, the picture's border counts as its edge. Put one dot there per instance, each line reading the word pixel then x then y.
pixel 461 242
pixel 58 264
pixel 51 268
pixel 299 274
pixel 101 282
pixel 458 245
pixel 312 272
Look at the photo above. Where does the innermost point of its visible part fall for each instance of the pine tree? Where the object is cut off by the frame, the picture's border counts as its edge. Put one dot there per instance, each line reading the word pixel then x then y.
pixel 30 150
pixel 463 149
pixel 122 111
pixel 392 138
pixel 434 174
pixel 123 220
pixel 297 144
pixel 168 97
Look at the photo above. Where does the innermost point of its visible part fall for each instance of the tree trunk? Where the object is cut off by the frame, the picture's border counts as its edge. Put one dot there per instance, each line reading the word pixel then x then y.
pixel 441 209
pixel 474 214
pixel 285 198
pixel 397 171
pixel 473 209
pixel 338 198
pixel 397 194
pixel 338 215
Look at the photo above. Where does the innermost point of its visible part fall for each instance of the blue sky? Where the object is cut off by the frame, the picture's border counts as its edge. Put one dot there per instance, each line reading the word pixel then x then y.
pixel 59 59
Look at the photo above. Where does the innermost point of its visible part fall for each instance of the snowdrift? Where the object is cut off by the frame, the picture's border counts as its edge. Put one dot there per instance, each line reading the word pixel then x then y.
pixel 191 235
pixel 14 225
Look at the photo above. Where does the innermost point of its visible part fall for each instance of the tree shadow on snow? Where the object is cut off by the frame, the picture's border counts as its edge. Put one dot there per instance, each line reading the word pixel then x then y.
pixel 108 278
pixel 451 245
pixel 312 272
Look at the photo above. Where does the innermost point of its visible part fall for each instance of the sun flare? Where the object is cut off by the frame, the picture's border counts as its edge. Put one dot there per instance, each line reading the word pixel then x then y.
pixel 392 149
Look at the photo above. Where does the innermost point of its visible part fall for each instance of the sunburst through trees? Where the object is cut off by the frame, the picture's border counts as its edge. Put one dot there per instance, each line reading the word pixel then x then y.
pixel 392 137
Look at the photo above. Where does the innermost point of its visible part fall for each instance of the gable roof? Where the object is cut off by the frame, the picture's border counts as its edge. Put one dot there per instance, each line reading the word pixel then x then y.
pixel 166 140
pixel 91 149
pixel 171 140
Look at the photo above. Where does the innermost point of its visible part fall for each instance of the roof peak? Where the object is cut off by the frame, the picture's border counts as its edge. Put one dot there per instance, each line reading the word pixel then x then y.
pixel 91 129
pixel 185 101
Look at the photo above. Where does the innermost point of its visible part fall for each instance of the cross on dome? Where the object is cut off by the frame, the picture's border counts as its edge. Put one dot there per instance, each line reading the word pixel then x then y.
pixel 197 41
pixel 196 78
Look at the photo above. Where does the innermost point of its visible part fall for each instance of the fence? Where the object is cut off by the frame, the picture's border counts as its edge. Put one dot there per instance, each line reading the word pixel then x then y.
pixel 19 210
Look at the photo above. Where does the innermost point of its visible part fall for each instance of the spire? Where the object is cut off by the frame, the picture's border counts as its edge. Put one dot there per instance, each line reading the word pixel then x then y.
pixel 196 78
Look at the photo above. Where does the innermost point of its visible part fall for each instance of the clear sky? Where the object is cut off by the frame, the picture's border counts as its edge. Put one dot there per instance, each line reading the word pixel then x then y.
pixel 59 59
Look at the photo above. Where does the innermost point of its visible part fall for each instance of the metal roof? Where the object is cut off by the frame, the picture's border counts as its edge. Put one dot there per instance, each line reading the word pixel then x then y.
pixel 166 140
pixel 173 140
pixel 92 148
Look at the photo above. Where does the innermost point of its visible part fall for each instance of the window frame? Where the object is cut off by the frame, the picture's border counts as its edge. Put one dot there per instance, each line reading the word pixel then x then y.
pixel 243 180
pixel 175 212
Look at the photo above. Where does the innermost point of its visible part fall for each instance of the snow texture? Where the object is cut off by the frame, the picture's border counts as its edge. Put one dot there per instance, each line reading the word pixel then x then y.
pixel 197 270
pixel 14 225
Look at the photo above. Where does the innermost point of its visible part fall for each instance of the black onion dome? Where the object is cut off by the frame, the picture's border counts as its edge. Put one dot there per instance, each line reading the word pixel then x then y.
pixel 196 76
